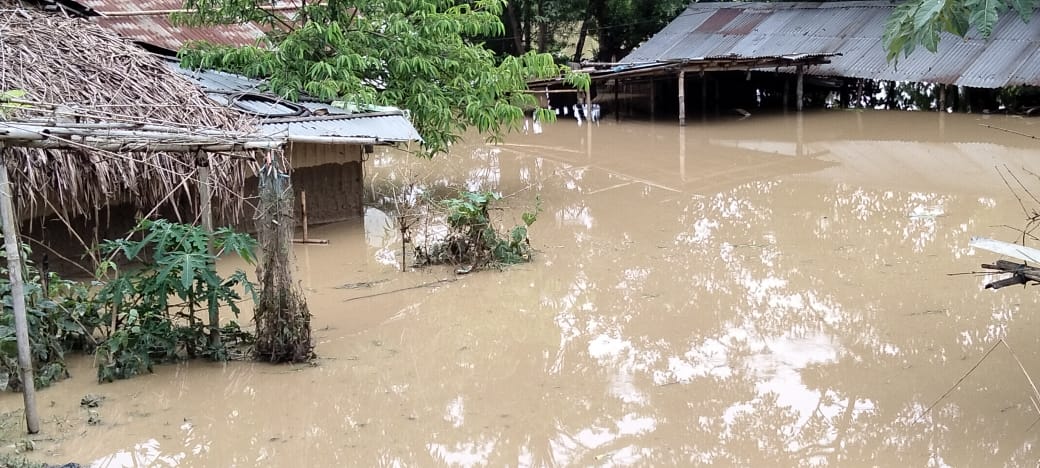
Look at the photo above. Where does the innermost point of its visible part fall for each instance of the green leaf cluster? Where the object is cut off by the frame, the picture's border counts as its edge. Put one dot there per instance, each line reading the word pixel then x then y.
pixel 920 22
pixel 421 55
pixel 150 312
pixel 61 318
pixel 473 239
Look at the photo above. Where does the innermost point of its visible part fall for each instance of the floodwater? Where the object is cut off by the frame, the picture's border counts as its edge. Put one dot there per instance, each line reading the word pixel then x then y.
pixel 772 291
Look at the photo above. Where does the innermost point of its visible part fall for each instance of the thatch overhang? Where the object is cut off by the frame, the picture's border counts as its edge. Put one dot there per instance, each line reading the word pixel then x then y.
pixel 90 75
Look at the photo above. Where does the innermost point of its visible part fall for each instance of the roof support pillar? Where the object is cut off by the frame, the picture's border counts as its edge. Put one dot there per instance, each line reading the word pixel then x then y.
pixel 704 95
pixel 21 323
pixel 617 102
pixel 682 98
pixel 798 89
pixel 653 98
pixel 206 205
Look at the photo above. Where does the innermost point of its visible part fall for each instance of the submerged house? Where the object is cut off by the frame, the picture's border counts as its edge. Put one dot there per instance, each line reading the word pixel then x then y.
pixel 75 71
pixel 68 70
pixel 721 51
pixel 326 144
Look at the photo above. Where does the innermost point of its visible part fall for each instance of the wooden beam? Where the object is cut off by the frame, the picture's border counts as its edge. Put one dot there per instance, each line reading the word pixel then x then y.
pixel 682 98
pixel 21 323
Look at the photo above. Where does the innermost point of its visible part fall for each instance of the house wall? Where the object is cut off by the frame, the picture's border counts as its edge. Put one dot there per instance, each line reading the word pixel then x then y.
pixel 332 177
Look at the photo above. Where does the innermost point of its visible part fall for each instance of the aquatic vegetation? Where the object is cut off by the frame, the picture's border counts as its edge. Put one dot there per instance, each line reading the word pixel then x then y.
pixel 473 240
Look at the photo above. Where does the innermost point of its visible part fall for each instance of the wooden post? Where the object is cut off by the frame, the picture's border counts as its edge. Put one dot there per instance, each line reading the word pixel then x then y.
pixel 843 100
pixel 653 99
pixel 617 104
pixel 798 88
pixel 787 88
pixel 682 153
pixel 704 95
pixel 716 83
pixel 303 206
pixel 942 97
pixel 588 128
pixel 306 227
pixel 21 323
pixel 206 206
pixel 682 98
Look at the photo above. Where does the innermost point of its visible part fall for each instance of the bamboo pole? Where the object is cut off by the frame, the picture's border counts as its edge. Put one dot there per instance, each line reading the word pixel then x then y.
pixel 682 98
pixel 303 204
pixel 206 204
pixel 21 324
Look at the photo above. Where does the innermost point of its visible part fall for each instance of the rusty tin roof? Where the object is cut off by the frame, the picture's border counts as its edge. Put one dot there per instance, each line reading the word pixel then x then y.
pixel 148 21
pixel 854 29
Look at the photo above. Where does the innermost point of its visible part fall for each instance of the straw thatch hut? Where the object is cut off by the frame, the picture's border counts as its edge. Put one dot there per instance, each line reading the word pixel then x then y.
pixel 83 72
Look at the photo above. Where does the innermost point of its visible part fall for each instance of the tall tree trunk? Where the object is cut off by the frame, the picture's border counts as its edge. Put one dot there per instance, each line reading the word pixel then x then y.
pixel 543 29
pixel 589 5
pixel 528 18
pixel 514 23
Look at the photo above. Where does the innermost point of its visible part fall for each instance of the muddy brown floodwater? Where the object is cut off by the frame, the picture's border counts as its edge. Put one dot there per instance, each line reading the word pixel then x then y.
pixel 771 291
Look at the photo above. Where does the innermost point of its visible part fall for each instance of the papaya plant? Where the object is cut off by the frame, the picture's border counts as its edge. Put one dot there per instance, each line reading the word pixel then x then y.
pixel 151 310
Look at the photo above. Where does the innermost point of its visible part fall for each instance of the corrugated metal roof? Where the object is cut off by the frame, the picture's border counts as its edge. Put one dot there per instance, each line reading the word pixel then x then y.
pixel 296 121
pixel 379 127
pixel 148 21
pixel 853 29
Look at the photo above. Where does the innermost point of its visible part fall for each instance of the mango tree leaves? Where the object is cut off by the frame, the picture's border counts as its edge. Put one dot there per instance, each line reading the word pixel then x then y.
pixel 420 55
pixel 920 21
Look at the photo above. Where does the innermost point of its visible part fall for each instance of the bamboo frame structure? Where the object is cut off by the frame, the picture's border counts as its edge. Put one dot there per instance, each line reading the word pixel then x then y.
pixel 101 136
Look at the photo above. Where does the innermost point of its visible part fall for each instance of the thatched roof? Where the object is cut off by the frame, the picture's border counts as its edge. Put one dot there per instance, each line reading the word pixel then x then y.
pixel 78 65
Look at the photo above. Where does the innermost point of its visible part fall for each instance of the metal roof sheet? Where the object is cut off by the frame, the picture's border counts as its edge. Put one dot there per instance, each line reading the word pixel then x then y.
pixel 381 128
pixel 853 29
pixel 300 120
pixel 148 21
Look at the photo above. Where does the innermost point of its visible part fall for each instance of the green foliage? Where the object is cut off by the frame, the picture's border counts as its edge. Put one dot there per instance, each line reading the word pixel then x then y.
pixel 142 326
pixel 420 55
pixel 621 25
pixel 9 100
pixel 59 321
pixel 473 239
pixel 919 22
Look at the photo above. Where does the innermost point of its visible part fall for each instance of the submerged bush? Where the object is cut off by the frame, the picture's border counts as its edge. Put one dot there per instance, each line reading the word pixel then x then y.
pixel 61 318
pixel 473 240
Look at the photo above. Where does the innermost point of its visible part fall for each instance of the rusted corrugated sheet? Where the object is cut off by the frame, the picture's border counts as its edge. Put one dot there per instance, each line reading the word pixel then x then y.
pixel 159 31
pixel 853 29
pixel 148 21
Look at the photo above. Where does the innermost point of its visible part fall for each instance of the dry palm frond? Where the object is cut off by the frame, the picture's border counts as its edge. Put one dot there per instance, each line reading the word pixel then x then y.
pixel 96 75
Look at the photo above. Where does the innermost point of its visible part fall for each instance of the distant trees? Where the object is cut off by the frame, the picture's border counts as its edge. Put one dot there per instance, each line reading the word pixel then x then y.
pixel 565 27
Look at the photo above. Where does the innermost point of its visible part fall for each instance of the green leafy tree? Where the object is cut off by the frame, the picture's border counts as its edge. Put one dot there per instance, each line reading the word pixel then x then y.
pixel 919 22
pixel 420 55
